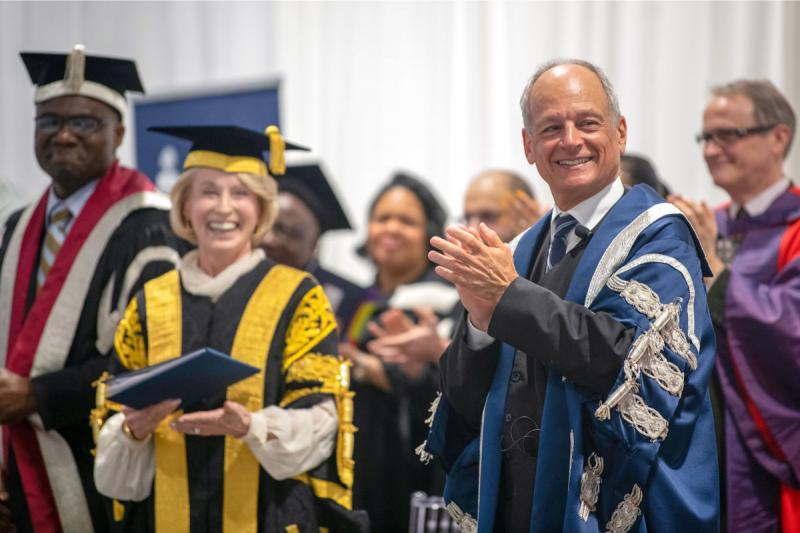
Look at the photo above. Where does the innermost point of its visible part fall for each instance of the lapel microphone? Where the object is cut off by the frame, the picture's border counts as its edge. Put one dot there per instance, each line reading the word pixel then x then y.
pixel 583 232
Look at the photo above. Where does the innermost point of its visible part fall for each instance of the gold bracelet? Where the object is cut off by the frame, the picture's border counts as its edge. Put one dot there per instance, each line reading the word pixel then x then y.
pixel 127 430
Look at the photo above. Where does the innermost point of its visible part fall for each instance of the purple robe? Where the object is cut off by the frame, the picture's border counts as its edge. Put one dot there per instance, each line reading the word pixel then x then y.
pixel 758 365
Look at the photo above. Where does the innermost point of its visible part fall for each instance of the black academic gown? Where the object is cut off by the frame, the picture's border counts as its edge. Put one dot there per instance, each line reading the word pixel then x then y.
pixel 467 374
pixel 391 426
pixel 304 333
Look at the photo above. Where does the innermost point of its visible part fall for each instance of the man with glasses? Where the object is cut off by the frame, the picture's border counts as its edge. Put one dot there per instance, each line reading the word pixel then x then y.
pixel 68 265
pixel 503 201
pixel 753 246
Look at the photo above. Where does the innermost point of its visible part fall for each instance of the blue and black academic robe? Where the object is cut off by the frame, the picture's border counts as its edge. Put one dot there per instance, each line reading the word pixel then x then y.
pixel 596 415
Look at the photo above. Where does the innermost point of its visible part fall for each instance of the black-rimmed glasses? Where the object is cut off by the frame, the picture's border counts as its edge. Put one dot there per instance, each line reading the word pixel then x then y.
pixel 726 136
pixel 81 125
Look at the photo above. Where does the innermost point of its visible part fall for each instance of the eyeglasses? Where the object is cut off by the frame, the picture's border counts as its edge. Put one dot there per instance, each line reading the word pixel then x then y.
pixel 726 136
pixel 81 125
pixel 290 232
pixel 486 216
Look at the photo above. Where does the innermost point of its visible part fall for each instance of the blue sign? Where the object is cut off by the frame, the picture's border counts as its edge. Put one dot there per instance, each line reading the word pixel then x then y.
pixel 161 157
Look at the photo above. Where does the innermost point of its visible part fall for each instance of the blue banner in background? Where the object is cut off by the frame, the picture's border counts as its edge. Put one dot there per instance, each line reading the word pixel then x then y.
pixel 160 157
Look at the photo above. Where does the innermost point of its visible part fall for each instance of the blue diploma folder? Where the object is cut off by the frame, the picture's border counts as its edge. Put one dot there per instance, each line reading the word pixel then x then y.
pixel 191 377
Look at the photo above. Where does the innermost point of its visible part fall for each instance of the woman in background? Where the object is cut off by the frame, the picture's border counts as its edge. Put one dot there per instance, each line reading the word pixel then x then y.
pixel 393 387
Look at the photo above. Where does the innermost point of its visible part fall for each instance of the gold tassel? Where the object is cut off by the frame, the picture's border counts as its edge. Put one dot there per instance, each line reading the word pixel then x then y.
pixel 119 511
pixel 74 73
pixel 277 162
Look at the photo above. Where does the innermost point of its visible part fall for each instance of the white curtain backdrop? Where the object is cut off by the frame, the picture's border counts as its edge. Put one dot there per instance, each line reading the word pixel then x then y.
pixel 431 87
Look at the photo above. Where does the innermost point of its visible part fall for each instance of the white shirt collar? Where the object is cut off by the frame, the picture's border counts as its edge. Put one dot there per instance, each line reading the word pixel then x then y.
pixel 588 213
pixel 761 202
pixel 74 202
pixel 592 210
pixel 197 282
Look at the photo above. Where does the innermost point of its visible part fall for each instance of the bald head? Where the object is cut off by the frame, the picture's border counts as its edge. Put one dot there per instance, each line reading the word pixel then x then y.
pixel 491 198
pixel 573 136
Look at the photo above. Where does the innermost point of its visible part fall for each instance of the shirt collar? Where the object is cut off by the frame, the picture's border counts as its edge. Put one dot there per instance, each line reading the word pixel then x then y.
pixel 760 203
pixel 591 211
pixel 74 202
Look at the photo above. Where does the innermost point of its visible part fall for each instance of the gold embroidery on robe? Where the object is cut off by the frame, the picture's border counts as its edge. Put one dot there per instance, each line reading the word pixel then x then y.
pixel 128 339
pixel 313 320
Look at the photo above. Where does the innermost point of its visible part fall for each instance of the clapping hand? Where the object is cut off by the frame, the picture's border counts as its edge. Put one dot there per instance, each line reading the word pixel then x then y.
pixel 704 222
pixel 523 210
pixel 17 400
pixel 403 342
pixel 479 264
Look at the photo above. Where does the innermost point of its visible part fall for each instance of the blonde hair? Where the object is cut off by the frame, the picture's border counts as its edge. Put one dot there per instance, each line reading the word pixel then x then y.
pixel 264 187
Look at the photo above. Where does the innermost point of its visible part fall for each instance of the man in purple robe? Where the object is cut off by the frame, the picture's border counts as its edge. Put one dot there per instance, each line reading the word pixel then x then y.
pixel 753 246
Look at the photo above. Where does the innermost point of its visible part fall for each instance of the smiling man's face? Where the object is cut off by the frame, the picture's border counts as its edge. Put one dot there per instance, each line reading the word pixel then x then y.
pixel 573 138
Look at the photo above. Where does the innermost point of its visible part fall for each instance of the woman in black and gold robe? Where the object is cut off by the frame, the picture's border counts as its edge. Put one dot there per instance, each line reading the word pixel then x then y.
pixel 273 452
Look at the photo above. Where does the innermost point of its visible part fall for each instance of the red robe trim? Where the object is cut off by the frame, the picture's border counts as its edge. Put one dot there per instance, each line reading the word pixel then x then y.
pixel 788 251
pixel 25 331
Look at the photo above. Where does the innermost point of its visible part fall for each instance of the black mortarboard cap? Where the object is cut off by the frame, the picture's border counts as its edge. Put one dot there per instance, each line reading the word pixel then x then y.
pixel 309 183
pixel 103 78
pixel 232 148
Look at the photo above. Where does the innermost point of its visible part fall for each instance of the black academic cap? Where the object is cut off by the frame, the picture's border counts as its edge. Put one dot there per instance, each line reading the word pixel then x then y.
pixel 309 184
pixel 103 78
pixel 231 148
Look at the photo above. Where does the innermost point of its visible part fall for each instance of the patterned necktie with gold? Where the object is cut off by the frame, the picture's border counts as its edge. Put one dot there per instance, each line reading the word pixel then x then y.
pixel 728 246
pixel 56 233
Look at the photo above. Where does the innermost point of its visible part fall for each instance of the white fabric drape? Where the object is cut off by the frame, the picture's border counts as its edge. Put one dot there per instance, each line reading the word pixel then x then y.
pixel 431 87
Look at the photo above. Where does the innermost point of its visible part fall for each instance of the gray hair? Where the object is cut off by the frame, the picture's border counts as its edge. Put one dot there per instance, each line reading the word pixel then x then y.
pixel 770 107
pixel 608 89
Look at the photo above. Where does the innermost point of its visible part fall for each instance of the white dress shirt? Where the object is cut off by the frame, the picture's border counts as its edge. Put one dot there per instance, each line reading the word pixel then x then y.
pixel 74 202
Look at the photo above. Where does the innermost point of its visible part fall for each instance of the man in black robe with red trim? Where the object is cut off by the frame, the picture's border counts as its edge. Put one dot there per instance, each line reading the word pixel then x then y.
pixel 69 263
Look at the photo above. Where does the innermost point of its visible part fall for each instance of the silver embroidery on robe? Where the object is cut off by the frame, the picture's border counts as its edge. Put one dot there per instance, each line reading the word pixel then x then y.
pixel 684 272
pixel 642 417
pixel 646 301
pixel 621 246
pixel 590 485
pixel 425 457
pixel 466 523
pixel 626 513
pixel 645 357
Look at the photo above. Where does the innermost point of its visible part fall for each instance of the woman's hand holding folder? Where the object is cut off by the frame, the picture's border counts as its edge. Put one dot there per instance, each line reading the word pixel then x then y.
pixel 140 423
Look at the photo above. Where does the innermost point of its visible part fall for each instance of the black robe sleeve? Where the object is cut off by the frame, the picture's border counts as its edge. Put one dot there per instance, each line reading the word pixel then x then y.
pixel 585 347
pixel 466 375
pixel 66 396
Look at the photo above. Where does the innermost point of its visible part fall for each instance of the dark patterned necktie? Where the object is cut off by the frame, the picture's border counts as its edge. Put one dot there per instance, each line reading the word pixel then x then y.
pixel 558 243
pixel 56 232
pixel 728 246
